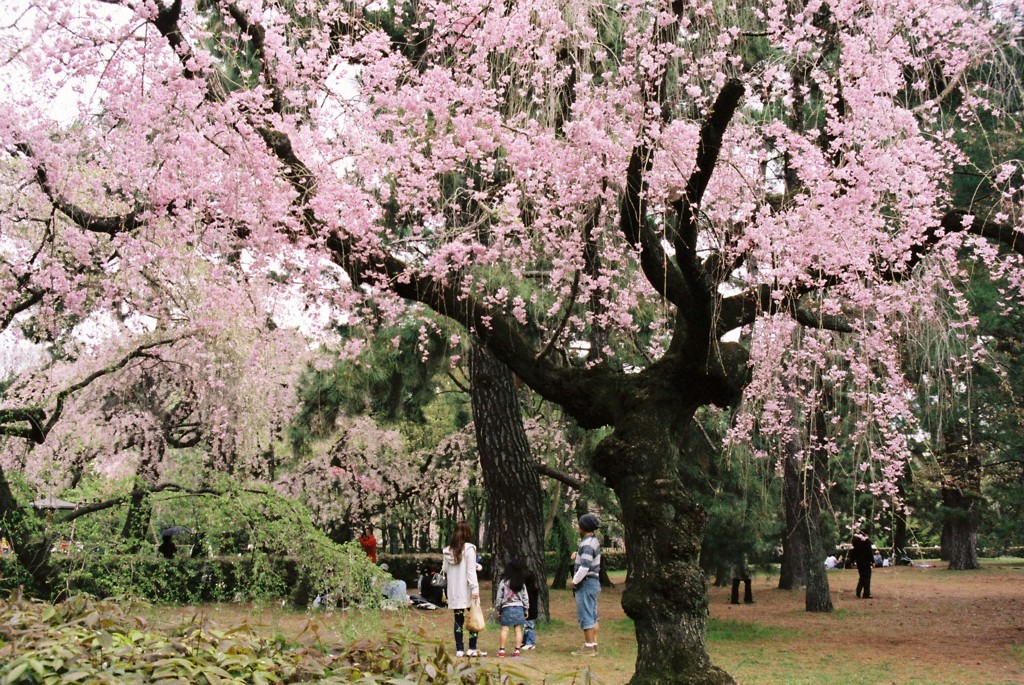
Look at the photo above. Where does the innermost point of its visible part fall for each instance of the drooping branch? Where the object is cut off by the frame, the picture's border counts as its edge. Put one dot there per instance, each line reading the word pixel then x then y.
pixel 39 426
pixel 143 492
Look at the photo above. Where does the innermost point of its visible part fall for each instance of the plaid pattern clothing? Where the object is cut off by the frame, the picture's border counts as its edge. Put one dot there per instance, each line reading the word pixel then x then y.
pixel 588 555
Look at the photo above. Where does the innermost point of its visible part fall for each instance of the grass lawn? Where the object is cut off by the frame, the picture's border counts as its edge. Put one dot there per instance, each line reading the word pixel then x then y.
pixel 924 626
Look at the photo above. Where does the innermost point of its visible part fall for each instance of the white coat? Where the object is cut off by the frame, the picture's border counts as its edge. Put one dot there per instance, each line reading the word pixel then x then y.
pixel 462 581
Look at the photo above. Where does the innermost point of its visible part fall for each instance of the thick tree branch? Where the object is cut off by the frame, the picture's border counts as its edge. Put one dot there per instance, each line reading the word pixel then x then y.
pixel 743 309
pixel 1008 235
pixel 88 221
pixel 574 389
pixel 379 269
pixel 142 492
pixel 257 35
pixel 709 148
pixel 660 271
pixel 139 352
pixel 27 301
pixel 32 416
pixel 561 476
pixel 39 426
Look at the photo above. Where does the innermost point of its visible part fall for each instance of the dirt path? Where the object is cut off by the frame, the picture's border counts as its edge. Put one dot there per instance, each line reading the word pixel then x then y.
pixel 927 625
pixel 924 626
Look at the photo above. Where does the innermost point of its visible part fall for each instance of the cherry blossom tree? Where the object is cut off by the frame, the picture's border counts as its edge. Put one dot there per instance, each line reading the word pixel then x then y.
pixel 641 178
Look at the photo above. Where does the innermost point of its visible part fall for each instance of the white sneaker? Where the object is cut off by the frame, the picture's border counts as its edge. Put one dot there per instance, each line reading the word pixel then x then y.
pixel 460 653
pixel 526 647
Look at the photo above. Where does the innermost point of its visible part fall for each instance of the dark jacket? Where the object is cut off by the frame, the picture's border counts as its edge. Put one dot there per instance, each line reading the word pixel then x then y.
pixel 861 553
pixel 532 591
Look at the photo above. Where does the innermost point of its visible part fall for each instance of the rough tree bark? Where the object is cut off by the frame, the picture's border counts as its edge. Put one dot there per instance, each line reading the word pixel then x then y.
pixel 961 497
pixel 818 597
pixel 666 595
pixel 515 504
pixel 794 546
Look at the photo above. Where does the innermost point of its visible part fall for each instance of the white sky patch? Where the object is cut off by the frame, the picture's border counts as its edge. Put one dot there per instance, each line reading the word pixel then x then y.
pixel 71 98
pixel 18 355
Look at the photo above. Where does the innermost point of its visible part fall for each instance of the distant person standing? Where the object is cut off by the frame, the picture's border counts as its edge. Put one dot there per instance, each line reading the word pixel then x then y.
pixel 369 544
pixel 741 574
pixel 459 564
pixel 586 582
pixel 862 556
pixel 167 548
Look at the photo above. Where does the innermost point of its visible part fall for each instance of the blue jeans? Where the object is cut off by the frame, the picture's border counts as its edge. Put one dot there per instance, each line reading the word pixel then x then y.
pixel 529 633
pixel 586 602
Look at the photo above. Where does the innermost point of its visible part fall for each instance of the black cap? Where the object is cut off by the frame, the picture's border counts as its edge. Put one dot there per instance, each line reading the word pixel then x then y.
pixel 589 522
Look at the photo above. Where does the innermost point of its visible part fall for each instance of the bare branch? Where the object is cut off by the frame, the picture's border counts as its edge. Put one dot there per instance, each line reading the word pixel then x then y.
pixel 561 476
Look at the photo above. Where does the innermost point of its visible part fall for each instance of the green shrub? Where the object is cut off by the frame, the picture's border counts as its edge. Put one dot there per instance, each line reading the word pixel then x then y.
pixel 82 640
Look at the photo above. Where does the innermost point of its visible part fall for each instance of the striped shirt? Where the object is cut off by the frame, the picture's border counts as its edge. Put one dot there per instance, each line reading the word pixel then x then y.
pixel 588 556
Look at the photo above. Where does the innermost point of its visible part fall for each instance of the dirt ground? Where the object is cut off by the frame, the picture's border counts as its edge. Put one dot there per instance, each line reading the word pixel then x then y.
pixel 923 625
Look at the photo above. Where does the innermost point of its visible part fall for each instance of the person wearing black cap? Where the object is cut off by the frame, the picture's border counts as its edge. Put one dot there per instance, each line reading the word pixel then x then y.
pixel 585 582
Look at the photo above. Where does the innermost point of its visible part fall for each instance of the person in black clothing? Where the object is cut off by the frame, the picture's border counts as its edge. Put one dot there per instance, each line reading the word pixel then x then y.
pixel 430 592
pixel 167 547
pixel 862 555
pixel 530 629
pixel 741 574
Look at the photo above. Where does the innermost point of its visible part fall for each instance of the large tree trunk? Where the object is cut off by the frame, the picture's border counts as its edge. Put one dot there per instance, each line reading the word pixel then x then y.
pixel 794 541
pixel 819 597
pixel 666 594
pixel 564 547
pixel 31 546
pixel 135 531
pixel 960 530
pixel 515 504
pixel 961 498
pixel 899 527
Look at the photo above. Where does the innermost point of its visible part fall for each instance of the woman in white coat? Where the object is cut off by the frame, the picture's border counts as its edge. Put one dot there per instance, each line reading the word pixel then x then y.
pixel 463 587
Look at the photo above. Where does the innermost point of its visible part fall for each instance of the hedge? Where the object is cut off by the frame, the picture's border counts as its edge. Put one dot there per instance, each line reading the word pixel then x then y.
pixel 174 581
